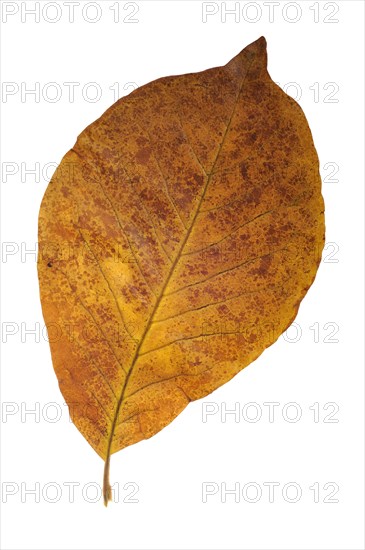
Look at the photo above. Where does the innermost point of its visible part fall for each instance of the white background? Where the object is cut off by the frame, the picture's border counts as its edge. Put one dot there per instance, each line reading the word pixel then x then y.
pixel 171 38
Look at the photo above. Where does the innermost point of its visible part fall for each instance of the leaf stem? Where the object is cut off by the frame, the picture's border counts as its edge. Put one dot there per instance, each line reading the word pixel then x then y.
pixel 107 490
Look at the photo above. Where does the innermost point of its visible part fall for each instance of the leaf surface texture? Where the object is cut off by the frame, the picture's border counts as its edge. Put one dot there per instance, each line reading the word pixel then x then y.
pixel 177 239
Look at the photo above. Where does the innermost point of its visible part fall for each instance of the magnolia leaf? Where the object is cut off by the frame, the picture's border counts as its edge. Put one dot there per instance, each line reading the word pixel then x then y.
pixel 177 239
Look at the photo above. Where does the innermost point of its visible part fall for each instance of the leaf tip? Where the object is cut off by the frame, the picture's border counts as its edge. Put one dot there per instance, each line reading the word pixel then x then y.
pixel 261 43
pixel 255 50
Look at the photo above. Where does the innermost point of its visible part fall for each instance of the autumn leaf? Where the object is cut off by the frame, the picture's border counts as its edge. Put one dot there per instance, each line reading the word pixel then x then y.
pixel 177 240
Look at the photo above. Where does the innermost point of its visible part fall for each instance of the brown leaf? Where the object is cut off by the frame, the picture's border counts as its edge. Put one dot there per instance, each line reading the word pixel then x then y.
pixel 177 239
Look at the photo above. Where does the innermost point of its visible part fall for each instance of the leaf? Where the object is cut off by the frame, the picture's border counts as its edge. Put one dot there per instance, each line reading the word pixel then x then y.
pixel 177 239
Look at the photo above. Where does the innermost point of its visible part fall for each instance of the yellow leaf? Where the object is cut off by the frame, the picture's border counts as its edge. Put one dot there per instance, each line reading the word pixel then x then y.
pixel 177 239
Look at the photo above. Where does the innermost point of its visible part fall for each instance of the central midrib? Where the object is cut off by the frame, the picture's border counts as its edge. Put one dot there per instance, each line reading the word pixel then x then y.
pixel 178 256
